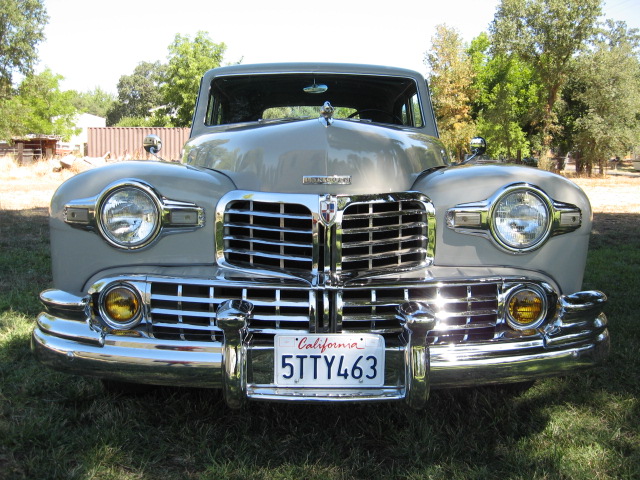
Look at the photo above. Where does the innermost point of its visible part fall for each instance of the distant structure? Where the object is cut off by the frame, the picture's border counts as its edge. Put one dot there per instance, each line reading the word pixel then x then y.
pixel 125 143
pixel 84 121
pixel 28 148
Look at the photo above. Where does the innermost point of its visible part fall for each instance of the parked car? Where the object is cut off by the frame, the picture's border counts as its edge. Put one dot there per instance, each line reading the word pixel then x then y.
pixel 317 244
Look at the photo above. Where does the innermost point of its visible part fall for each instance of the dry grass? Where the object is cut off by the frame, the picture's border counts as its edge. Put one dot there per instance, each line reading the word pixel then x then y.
pixel 32 186
pixel 612 193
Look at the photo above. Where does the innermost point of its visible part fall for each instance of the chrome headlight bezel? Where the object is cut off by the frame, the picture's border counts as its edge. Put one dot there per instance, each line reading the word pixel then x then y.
pixel 544 208
pixel 170 216
pixel 479 218
pixel 153 207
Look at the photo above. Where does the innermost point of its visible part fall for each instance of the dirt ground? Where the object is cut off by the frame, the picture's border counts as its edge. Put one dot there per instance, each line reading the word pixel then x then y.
pixel 33 186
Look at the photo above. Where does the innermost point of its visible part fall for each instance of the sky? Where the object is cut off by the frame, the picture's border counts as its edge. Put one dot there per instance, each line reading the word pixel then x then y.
pixel 93 44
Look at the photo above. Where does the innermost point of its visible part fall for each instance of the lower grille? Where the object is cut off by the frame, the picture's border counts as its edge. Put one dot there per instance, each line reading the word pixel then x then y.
pixel 186 311
pixel 466 312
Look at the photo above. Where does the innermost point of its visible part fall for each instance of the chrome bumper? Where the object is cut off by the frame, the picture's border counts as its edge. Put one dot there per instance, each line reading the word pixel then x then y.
pixel 66 339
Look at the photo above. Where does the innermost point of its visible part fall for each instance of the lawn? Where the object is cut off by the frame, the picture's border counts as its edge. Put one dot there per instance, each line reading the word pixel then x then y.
pixel 587 426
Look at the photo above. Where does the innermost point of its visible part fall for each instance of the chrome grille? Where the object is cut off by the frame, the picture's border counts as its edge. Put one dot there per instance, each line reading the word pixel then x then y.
pixel 286 232
pixel 377 235
pixel 268 235
pixel 466 312
pixel 186 310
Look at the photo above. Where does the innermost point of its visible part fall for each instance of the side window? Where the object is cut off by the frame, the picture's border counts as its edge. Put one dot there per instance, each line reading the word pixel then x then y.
pixel 214 112
pixel 411 114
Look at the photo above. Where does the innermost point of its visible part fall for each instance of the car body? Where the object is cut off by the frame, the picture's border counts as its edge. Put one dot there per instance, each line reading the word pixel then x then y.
pixel 317 244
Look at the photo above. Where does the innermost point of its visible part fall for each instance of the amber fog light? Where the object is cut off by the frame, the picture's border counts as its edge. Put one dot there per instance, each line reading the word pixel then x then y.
pixel 526 309
pixel 121 307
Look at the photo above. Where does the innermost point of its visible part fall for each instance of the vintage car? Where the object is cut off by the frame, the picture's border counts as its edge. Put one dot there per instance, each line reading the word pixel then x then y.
pixel 316 243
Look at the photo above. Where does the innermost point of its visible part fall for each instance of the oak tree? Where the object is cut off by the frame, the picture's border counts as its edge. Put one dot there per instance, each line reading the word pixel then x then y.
pixel 547 34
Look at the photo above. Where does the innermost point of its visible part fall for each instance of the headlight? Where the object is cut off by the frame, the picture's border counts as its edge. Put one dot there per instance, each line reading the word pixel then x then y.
pixel 520 219
pixel 526 308
pixel 129 216
pixel 121 307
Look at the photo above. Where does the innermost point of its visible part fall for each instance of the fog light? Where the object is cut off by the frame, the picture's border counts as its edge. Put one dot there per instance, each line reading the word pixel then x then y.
pixel 526 309
pixel 121 307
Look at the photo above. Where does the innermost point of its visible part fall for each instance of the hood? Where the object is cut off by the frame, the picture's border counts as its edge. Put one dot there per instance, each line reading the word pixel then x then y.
pixel 275 156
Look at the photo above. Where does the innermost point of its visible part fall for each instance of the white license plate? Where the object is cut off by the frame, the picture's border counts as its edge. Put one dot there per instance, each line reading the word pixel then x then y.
pixel 329 360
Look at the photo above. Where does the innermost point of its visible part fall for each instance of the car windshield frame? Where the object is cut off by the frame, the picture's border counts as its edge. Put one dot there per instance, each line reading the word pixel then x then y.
pixel 384 99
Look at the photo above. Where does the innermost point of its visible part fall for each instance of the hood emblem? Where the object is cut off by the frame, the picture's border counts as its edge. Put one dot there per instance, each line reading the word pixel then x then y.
pixel 328 208
pixel 326 114
pixel 326 180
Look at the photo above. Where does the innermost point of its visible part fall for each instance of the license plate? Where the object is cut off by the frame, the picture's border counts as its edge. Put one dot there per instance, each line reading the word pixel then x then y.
pixel 329 360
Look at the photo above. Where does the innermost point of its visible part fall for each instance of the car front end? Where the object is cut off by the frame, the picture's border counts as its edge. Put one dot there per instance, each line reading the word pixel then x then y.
pixel 319 259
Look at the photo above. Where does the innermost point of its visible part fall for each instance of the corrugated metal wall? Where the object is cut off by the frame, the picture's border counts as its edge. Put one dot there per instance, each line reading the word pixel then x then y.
pixel 126 142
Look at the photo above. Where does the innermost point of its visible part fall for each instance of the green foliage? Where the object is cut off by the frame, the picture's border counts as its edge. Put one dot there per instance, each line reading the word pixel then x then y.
pixel 451 82
pixel 154 121
pixel 604 97
pixel 506 98
pixel 96 102
pixel 157 94
pixel 22 25
pixel 188 60
pixel 139 93
pixel 546 34
pixel 40 107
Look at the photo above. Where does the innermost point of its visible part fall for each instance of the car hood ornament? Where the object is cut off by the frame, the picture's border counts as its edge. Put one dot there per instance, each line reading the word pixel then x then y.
pixel 326 114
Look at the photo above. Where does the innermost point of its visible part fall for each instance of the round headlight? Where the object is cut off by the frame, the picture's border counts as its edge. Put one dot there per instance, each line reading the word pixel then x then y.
pixel 526 309
pixel 121 307
pixel 520 220
pixel 129 217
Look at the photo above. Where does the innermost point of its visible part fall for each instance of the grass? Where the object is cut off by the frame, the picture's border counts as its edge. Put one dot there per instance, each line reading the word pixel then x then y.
pixel 54 425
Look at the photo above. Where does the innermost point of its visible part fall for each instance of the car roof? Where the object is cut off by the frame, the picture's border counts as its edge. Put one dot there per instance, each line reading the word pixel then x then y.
pixel 308 67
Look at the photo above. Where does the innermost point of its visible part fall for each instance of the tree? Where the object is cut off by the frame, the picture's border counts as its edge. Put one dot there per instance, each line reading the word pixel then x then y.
pixel 547 34
pixel 96 102
pixel 22 25
pixel 603 98
pixel 506 96
pixel 43 108
pixel 188 60
pixel 139 93
pixel 451 82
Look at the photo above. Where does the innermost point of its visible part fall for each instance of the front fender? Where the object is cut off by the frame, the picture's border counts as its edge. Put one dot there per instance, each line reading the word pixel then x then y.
pixel 563 257
pixel 77 254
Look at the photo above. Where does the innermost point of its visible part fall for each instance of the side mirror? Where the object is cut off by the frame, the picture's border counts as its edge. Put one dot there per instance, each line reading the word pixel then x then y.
pixel 152 144
pixel 478 146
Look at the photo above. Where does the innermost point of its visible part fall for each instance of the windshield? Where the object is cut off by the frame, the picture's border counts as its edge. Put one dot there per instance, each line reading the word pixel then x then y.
pixel 252 98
